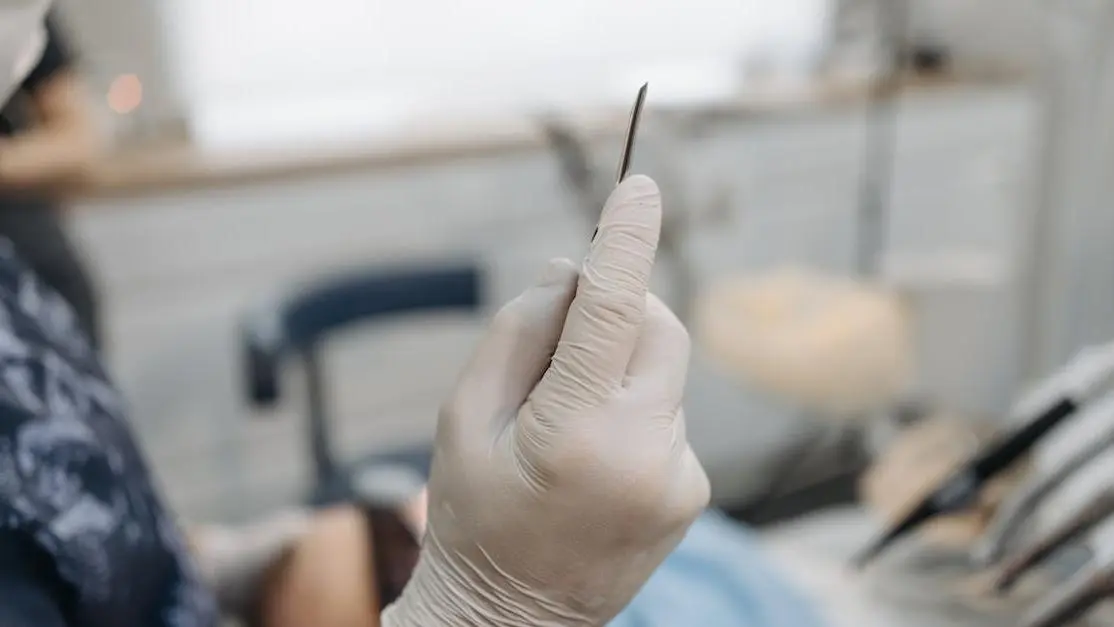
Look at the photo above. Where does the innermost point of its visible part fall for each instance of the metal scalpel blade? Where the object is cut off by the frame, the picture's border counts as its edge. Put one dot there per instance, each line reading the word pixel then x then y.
pixel 632 133
pixel 628 142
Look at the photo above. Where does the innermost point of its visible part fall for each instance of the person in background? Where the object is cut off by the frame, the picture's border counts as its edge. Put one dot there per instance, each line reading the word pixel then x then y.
pixel 47 136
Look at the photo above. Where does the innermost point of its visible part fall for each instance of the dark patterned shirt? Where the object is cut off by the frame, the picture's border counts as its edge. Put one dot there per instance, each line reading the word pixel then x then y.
pixel 85 540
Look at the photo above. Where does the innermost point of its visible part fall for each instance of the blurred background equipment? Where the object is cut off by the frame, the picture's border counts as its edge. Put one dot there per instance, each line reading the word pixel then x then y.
pixel 1076 525
pixel 1039 413
pixel 836 347
pixel 922 457
pixel 1019 512
pixel 1077 598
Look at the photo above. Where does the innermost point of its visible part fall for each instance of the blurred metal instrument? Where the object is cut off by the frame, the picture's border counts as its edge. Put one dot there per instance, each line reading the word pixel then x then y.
pixel 1047 407
pixel 1012 517
pixel 1078 524
pixel 962 488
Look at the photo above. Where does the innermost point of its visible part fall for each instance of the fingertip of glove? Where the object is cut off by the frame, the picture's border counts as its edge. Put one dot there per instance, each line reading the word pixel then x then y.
pixel 637 192
pixel 558 271
pixel 638 185
pixel 633 209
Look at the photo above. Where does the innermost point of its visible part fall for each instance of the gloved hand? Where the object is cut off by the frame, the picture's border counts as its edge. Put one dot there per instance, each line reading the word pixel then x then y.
pixel 562 476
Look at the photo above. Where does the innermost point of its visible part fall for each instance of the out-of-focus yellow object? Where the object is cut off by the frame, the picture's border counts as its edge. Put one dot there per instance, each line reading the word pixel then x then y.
pixel 833 346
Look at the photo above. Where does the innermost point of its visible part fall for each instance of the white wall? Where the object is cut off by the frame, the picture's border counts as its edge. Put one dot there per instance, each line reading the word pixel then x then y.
pixel 269 67
pixel 265 70
pixel 1069 262
pixel 290 46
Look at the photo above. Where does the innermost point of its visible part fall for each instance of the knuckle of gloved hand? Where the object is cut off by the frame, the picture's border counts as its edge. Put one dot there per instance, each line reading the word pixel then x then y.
pixel 683 487
pixel 687 490
pixel 675 515
pixel 631 479
pixel 698 495
pixel 671 510
pixel 558 455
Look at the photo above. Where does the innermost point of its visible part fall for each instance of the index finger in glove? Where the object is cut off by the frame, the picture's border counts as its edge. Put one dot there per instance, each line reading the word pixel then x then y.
pixel 606 316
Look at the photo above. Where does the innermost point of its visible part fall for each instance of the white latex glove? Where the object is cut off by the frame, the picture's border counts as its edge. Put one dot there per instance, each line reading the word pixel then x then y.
pixel 562 476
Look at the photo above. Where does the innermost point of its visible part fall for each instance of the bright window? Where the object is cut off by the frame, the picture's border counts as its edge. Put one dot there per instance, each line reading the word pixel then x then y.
pixel 282 70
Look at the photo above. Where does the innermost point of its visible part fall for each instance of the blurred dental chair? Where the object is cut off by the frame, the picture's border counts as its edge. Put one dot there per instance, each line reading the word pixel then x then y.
pixel 297 327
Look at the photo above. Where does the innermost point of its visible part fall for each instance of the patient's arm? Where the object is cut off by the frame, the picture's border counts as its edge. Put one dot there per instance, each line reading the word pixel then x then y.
pixel 300 567
pixel 236 561
pixel 336 574
pixel 328 579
